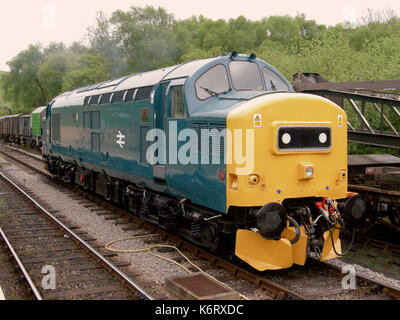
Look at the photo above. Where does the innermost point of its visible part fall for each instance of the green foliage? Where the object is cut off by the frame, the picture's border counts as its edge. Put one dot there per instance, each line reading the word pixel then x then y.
pixel 90 68
pixel 38 75
pixel 142 36
pixel 4 105
pixel 103 40
pixel 54 69
pixel 21 85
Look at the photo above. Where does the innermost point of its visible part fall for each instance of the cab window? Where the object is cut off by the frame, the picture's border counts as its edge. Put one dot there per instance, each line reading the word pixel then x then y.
pixel 212 82
pixel 246 76
pixel 177 110
pixel 273 82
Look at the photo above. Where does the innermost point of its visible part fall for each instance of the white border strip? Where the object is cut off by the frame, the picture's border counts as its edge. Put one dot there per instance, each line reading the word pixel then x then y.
pixel 2 297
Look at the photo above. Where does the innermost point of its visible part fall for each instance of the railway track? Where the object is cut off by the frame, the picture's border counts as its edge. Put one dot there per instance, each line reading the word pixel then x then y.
pixel 283 284
pixel 57 262
pixel 11 278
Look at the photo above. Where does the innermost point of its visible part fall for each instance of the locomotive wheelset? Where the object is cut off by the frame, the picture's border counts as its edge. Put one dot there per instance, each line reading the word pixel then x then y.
pixel 221 151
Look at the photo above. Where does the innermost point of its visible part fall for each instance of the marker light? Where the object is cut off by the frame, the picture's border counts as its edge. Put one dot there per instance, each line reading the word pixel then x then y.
pixel 286 138
pixel 305 170
pixel 323 138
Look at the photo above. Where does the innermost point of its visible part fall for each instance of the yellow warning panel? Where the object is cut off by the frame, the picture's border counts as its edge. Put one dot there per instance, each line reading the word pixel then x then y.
pixel 257 121
pixel 263 254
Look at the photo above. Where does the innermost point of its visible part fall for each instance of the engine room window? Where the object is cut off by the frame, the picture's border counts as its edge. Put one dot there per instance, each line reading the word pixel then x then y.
pixel 129 95
pixel 86 101
pixel 105 98
pixel 178 111
pixel 212 82
pixel 94 100
pixel 143 93
pixel 273 82
pixel 118 96
pixel 246 76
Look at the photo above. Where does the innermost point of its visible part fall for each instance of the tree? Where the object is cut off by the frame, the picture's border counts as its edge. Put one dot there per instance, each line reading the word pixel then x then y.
pixel 144 36
pixel 103 40
pixel 4 105
pixel 90 69
pixel 54 69
pixel 21 85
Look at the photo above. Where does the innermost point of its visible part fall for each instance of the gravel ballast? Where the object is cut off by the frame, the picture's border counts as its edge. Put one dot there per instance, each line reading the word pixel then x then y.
pixel 151 269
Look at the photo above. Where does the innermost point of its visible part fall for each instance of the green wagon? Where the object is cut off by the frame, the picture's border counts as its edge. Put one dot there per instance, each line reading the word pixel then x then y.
pixel 36 124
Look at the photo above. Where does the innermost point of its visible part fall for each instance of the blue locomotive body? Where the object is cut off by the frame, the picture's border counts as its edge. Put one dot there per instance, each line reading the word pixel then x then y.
pixel 88 123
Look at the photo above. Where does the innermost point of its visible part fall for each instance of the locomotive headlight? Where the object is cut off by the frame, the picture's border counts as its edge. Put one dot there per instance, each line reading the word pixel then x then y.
pixel 271 220
pixel 305 171
pixel 309 172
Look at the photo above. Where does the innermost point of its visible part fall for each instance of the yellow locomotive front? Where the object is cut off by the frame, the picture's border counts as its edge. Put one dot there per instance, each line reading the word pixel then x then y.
pixel 289 164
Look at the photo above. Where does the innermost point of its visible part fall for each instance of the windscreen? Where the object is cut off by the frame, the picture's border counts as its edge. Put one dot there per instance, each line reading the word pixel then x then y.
pixel 246 76
pixel 212 82
pixel 273 82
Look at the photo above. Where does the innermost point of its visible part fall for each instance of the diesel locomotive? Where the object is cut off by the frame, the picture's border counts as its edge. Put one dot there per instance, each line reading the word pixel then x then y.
pixel 221 151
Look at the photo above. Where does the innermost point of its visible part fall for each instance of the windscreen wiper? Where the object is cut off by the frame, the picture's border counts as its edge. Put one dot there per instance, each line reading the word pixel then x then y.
pixel 209 91
pixel 273 87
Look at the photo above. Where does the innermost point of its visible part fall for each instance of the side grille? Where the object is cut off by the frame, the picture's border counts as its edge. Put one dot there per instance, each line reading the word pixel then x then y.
pixel 210 141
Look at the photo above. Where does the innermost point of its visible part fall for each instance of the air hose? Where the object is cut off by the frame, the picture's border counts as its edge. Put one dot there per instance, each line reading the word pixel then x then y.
pixel 297 227
pixel 329 222
pixel 333 244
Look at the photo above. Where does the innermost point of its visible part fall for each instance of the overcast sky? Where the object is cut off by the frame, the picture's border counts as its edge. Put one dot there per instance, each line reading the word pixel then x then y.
pixel 23 22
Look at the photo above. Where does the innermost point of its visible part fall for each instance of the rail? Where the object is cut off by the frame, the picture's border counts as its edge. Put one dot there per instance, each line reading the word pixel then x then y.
pixel 115 270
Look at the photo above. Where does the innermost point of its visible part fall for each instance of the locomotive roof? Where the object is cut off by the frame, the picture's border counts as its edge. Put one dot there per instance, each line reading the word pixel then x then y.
pixel 39 110
pixel 12 116
pixel 18 115
pixel 151 78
